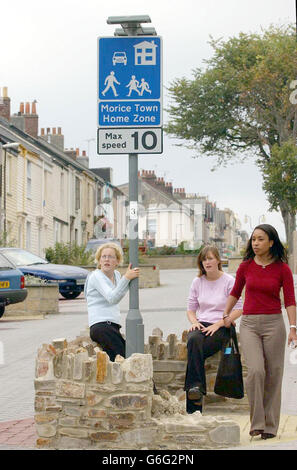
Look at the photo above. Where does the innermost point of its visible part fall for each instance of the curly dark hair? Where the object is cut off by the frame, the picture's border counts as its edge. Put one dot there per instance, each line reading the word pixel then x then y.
pixel 277 251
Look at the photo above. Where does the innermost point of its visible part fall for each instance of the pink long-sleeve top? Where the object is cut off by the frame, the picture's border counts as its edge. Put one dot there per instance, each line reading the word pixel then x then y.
pixel 208 298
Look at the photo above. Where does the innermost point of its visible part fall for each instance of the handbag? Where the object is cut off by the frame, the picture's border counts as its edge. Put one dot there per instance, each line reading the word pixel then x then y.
pixel 229 381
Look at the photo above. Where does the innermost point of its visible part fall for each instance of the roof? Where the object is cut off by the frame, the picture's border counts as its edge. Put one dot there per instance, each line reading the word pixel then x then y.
pixel 8 131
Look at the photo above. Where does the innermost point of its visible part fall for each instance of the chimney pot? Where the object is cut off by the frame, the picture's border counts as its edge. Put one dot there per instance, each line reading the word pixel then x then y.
pixel 27 108
pixel 48 130
pixel 42 131
pixel 77 152
pixel 5 92
pixel 22 108
pixel 59 130
pixel 54 131
pixel 33 108
pixel 84 154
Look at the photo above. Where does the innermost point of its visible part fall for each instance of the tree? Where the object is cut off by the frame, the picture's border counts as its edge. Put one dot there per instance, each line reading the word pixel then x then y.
pixel 240 105
pixel 280 183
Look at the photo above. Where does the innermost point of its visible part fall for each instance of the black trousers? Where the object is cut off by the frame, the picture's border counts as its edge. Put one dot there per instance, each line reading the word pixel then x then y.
pixel 200 347
pixel 109 338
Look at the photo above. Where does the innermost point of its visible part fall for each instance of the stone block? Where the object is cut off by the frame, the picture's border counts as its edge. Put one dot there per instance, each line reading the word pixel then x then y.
pixel 96 413
pixel 46 430
pixel 171 340
pixel 181 352
pixel 104 436
pixel 163 377
pixel 154 342
pixel 102 363
pixel 93 398
pixel 60 343
pixel 226 434
pixel 140 436
pixel 138 368
pixel 73 432
pixel 46 418
pixel 116 373
pixel 73 443
pixel 89 369
pixel 121 421
pixel 78 364
pixel 169 366
pixel 134 402
pixel 157 332
pixel 70 389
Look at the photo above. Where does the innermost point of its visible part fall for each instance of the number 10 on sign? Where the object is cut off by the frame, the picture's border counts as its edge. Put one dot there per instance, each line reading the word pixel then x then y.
pixel 117 141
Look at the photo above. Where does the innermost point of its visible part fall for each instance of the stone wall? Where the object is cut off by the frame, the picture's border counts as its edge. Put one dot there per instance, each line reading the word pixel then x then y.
pixel 169 365
pixel 84 401
pixel 41 300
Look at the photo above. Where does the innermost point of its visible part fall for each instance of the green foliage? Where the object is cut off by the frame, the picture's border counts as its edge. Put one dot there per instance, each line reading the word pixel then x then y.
pixel 280 176
pixel 171 250
pixel 241 101
pixel 69 253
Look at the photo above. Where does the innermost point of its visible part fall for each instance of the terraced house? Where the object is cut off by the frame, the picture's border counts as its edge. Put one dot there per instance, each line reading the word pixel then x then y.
pixel 47 193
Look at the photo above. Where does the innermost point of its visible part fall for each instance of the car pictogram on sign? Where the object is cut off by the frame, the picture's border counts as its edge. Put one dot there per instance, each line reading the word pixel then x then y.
pixel 119 58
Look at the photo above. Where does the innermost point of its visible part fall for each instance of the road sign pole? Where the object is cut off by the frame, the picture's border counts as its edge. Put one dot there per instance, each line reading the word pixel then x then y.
pixel 129 112
pixel 134 322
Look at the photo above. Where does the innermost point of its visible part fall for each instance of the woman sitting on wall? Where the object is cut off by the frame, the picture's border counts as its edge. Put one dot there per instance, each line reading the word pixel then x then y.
pixel 104 288
pixel 207 334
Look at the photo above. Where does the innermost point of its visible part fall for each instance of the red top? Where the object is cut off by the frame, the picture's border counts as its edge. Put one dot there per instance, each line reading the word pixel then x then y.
pixel 262 292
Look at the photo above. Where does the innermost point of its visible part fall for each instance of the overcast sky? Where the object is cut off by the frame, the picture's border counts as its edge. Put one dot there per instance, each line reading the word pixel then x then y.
pixel 49 53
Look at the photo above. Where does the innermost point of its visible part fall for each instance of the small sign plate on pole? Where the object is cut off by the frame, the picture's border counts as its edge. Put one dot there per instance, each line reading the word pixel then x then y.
pixel 115 141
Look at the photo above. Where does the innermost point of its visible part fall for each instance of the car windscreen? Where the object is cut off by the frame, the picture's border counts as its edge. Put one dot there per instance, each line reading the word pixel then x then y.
pixel 5 264
pixel 23 257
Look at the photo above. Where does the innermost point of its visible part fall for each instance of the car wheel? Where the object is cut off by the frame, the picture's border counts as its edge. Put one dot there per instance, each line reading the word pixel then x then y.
pixel 70 295
pixel 2 310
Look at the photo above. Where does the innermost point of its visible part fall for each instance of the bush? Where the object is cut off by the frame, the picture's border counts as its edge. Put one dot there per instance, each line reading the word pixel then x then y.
pixel 69 253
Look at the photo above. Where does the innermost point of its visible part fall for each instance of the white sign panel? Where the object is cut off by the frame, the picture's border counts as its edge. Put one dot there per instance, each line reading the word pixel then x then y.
pixel 123 140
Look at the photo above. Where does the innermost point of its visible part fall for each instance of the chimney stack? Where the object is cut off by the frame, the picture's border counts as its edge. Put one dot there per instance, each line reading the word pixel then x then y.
pixel 53 138
pixel 25 120
pixel 5 104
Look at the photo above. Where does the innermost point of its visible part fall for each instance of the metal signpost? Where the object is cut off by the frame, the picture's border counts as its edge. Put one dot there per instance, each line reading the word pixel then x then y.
pixel 130 122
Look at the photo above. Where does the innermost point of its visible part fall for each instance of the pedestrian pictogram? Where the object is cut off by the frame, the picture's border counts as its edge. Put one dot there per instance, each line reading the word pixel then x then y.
pixel 110 82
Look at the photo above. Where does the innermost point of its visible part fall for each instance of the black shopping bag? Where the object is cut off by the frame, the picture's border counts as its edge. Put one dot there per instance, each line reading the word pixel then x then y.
pixel 229 382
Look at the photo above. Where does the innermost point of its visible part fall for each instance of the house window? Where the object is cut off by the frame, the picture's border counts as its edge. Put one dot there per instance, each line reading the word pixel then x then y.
pixel 29 179
pixel 77 193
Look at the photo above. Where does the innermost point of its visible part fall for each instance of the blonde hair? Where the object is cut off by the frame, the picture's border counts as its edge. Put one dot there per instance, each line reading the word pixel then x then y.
pixel 202 257
pixel 115 247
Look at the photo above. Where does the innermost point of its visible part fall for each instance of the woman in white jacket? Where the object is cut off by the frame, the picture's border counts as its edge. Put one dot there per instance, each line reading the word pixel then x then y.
pixel 104 288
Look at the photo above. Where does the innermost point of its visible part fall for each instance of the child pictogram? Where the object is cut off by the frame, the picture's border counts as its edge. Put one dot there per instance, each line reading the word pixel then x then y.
pixel 133 85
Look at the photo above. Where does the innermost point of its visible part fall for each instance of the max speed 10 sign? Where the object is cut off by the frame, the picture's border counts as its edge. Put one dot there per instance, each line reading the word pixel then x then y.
pixel 129 95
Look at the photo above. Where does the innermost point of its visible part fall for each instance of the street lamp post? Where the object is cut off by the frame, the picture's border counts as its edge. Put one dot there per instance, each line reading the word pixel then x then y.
pixel 131 26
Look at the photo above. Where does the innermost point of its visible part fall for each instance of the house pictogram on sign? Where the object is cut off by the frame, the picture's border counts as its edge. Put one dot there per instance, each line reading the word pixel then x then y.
pixel 145 53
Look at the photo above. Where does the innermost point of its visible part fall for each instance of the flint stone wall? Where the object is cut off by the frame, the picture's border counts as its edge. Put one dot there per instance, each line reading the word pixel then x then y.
pixel 84 401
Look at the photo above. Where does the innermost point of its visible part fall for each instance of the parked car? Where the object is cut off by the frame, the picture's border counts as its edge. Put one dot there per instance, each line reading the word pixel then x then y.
pixel 71 279
pixel 12 284
pixel 94 243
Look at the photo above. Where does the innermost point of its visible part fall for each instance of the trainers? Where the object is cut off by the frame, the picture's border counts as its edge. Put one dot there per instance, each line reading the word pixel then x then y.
pixel 195 394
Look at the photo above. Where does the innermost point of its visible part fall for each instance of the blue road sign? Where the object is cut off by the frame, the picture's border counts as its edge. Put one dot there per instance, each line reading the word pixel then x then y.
pixel 130 82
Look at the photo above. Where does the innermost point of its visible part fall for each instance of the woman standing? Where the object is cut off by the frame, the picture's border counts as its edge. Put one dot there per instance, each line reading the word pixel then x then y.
pixel 104 288
pixel 207 334
pixel 264 272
